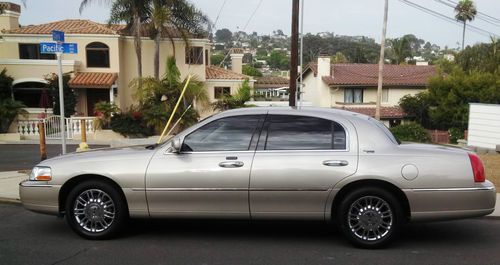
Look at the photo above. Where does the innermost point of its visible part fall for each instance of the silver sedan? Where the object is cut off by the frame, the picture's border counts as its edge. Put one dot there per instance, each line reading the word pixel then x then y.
pixel 267 163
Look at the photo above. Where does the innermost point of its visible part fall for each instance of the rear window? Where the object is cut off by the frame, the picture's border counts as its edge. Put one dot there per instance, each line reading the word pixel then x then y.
pixel 288 132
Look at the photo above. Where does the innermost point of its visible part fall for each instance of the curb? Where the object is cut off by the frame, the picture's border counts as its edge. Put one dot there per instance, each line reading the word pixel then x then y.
pixel 10 201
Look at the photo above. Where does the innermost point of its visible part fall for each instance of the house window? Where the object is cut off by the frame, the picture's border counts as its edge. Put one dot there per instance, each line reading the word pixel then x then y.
pixel 194 55
pixel 32 51
pixel 219 92
pixel 385 95
pixel 97 55
pixel 353 95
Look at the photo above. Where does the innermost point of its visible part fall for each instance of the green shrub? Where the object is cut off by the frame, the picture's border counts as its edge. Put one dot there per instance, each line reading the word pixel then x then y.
pixel 412 132
pixel 455 135
pixel 130 124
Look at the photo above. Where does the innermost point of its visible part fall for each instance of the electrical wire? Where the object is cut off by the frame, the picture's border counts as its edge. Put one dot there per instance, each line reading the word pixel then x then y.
pixel 244 29
pixel 478 16
pixel 449 19
pixel 480 13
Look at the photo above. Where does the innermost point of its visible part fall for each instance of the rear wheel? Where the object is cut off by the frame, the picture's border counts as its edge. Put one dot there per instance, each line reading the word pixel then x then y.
pixel 369 217
pixel 95 210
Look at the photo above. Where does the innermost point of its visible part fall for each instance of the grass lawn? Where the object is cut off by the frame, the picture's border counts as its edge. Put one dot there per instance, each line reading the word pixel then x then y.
pixel 492 167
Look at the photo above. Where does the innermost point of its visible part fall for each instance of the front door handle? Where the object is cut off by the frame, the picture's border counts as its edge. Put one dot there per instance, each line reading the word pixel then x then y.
pixel 231 164
pixel 335 163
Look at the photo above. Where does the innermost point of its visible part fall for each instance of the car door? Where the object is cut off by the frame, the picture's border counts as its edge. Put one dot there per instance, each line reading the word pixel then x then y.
pixel 210 175
pixel 298 160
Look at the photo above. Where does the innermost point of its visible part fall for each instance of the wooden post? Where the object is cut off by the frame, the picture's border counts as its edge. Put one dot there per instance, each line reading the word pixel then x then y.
pixel 83 130
pixel 43 149
pixel 294 53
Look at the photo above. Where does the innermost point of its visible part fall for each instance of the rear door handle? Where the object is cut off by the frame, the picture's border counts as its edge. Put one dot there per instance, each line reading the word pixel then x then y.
pixel 335 163
pixel 231 164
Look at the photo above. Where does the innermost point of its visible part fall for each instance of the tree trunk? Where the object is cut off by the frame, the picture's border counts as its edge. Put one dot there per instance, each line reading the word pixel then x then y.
pixel 463 35
pixel 381 62
pixel 157 54
pixel 138 46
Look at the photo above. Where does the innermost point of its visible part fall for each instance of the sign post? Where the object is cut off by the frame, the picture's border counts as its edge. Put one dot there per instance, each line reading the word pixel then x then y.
pixel 61 101
pixel 59 47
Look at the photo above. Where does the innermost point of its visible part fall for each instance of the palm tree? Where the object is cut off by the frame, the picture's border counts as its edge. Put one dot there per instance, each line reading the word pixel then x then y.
pixel 157 97
pixel 465 11
pixel 401 49
pixel 133 13
pixel 173 19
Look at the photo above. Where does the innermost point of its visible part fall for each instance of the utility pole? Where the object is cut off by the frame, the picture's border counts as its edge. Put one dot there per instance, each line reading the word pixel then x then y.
pixel 301 81
pixel 381 62
pixel 294 53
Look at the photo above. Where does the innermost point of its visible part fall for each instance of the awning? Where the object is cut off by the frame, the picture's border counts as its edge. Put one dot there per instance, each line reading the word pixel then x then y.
pixel 93 80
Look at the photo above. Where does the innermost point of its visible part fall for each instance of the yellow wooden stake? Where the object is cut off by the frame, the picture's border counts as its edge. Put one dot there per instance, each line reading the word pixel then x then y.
pixel 175 109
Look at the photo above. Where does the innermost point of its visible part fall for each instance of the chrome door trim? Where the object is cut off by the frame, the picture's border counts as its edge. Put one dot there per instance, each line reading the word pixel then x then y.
pixel 227 189
pixel 454 189
pixel 231 164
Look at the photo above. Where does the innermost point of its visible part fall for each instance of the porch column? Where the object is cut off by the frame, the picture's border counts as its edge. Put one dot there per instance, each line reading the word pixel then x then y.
pixel 111 94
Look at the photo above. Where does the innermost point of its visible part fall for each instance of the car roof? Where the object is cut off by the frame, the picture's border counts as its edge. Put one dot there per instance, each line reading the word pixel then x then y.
pixel 295 110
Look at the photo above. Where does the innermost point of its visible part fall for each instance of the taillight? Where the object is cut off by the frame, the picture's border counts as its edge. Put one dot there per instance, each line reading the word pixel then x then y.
pixel 477 168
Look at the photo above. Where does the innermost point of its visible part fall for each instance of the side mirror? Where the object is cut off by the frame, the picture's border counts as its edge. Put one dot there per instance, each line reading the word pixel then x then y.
pixel 176 145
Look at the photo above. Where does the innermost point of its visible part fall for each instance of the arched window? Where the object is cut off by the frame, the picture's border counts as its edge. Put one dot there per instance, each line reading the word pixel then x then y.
pixel 97 55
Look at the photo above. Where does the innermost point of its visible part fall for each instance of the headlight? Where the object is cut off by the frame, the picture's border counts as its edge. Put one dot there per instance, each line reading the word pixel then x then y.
pixel 41 174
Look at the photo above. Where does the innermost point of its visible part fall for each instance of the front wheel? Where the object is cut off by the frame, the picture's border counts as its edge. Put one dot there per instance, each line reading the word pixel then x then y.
pixel 369 217
pixel 95 210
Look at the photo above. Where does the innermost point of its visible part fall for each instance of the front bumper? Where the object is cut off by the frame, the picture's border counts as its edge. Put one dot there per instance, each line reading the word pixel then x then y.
pixel 39 196
pixel 451 203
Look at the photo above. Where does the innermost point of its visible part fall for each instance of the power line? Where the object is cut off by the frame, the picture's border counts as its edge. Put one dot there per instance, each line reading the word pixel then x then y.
pixel 481 13
pixel 244 29
pixel 218 14
pixel 449 19
pixel 478 16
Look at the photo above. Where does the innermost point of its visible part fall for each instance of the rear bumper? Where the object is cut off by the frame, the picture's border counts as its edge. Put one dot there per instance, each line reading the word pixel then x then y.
pixel 39 197
pixel 451 203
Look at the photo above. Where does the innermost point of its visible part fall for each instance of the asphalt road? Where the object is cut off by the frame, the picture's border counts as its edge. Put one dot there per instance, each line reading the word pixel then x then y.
pixel 29 238
pixel 25 156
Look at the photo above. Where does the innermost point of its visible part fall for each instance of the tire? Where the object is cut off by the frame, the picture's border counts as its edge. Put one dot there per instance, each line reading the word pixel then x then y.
pixel 369 217
pixel 95 210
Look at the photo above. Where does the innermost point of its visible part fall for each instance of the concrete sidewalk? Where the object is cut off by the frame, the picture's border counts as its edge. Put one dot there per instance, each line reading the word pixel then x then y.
pixel 9 189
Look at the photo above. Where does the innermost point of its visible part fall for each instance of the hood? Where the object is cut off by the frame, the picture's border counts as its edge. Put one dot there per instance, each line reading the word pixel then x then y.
pixel 102 154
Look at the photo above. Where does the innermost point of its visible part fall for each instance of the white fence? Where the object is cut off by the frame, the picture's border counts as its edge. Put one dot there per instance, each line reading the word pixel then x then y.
pixel 53 126
pixel 484 125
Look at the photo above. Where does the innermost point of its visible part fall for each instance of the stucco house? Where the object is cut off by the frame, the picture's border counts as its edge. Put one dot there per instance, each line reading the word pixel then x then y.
pixel 105 63
pixel 354 86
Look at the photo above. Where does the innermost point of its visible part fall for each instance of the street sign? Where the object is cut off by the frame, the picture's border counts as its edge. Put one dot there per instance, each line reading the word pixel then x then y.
pixel 52 47
pixel 58 36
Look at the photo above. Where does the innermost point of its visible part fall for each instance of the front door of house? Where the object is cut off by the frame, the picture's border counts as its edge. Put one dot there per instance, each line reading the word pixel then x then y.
pixel 93 96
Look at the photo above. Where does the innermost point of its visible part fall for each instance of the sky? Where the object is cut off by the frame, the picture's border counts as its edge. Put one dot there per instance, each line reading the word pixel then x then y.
pixel 343 17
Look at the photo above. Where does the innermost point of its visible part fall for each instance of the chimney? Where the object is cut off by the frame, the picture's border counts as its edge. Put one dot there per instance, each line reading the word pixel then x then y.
pixel 9 17
pixel 324 66
pixel 237 60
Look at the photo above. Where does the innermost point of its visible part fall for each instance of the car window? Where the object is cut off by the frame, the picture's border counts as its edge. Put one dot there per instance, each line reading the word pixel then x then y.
pixel 386 130
pixel 226 134
pixel 287 132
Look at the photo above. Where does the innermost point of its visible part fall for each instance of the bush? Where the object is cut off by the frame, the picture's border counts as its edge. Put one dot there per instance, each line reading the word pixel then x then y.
pixel 412 132
pixel 130 124
pixel 104 110
pixel 455 135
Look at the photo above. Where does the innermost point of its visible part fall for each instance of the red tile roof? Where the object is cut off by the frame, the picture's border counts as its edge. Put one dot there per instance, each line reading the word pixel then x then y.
pixel 385 112
pixel 272 82
pixel 367 74
pixel 70 26
pixel 83 26
pixel 214 72
pixel 93 80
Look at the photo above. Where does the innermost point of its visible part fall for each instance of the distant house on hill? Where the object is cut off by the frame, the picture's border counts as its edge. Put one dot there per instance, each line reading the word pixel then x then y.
pixel 354 86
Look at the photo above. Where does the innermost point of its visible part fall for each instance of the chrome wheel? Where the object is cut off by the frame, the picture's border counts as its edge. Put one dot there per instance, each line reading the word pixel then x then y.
pixel 94 210
pixel 370 218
